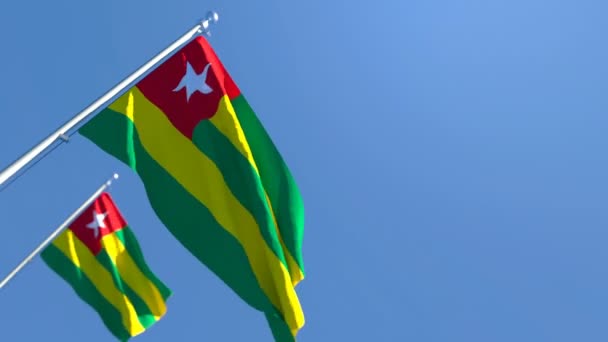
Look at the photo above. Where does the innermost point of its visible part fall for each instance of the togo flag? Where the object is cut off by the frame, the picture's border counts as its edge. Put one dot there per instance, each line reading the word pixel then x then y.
pixel 99 256
pixel 214 177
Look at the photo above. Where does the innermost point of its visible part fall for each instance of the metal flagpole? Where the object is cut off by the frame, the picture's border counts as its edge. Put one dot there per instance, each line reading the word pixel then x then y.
pixel 119 89
pixel 57 231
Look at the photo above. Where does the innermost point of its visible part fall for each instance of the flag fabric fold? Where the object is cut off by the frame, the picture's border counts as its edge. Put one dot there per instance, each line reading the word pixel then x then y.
pixel 214 178
pixel 100 257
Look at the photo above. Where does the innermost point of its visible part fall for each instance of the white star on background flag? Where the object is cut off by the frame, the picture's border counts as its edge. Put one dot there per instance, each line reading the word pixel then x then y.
pixel 97 222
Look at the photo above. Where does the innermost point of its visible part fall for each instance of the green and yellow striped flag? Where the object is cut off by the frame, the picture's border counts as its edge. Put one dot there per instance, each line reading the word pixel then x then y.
pixel 99 256
pixel 214 178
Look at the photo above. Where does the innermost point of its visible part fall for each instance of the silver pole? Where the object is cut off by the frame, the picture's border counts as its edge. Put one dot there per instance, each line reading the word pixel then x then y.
pixel 57 231
pixel 119 89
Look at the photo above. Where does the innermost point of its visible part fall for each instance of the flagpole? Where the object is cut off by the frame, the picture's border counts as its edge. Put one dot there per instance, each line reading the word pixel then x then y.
pixel 61 134
pixel 57 231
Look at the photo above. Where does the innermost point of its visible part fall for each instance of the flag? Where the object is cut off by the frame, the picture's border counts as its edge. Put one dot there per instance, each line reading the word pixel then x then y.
pixel 99 256
pixel 214 178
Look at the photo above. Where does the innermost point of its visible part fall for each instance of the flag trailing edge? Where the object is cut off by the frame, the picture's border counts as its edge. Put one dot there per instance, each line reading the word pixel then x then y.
pixel 100 258
pixel 214 178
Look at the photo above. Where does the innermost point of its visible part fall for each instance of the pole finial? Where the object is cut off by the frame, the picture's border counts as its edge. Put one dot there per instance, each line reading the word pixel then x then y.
pixel 211 18
pixel 114 176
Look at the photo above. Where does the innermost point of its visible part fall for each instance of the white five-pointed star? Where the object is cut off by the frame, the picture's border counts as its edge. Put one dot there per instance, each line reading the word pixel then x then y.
pixel 194 82
pixel 97 222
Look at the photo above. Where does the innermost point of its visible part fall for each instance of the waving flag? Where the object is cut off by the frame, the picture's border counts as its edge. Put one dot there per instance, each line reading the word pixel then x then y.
pixel 99 256
pixel 214 178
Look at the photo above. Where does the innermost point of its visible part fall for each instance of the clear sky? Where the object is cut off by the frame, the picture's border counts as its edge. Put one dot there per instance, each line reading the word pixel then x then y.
pixel 451 155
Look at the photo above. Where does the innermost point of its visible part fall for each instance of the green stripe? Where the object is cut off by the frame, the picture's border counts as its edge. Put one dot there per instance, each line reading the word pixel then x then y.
pixel 280 330
pixel 132 245
pixel 144 314
pixel 85 289
pixel 276 178
pixel 187 219
pixel 241 178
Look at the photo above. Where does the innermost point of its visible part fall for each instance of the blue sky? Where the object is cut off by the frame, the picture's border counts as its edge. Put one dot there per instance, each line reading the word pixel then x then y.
pixel 451 155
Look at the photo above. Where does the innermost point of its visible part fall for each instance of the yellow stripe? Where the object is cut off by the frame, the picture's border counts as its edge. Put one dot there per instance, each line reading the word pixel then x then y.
pixel 185 163
pixel 295 273
pixel 82 257
pixel 132 275
pixel 226 121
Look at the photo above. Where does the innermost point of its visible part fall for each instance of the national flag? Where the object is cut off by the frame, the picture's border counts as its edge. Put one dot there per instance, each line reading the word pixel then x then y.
pixel 214 177
pixel 99 256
